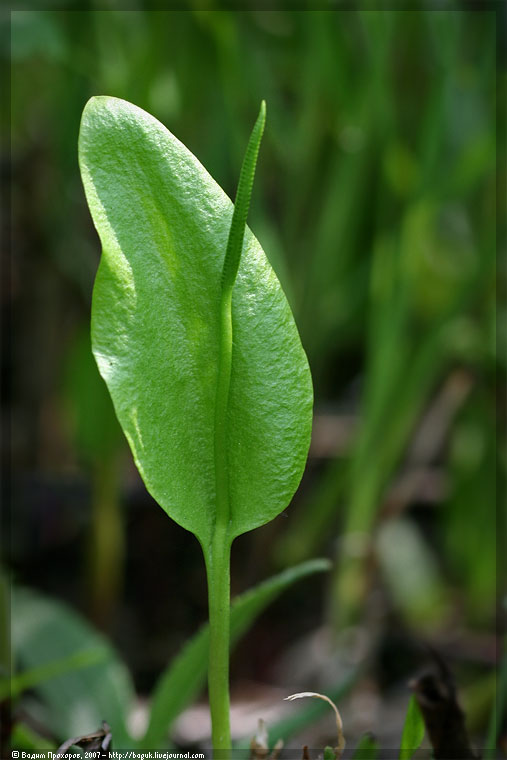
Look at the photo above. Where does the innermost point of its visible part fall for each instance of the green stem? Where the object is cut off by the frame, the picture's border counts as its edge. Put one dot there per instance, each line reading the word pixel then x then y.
pixel 218 572
pixel 218 554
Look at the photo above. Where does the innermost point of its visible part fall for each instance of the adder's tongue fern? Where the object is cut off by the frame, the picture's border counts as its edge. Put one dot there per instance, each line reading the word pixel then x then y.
pixel 229 272
pixel 242 202
pixel 221 445
pixel 218 564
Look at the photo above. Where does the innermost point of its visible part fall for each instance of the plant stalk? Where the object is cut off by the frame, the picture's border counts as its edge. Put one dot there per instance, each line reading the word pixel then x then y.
pixel 218 572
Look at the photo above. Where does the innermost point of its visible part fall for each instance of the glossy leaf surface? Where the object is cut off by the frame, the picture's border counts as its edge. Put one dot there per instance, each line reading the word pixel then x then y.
pixel 163 223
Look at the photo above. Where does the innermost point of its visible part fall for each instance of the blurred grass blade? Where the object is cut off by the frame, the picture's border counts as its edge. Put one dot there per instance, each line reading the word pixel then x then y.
pixel 499 706
pixel 367 748
pixel 99 440
pixel 186 674
pixel 44 631
pixel 310 527
pixel 30 679
pixel 413 730
pixel 5 632
pixel 411 573
pixel 23 737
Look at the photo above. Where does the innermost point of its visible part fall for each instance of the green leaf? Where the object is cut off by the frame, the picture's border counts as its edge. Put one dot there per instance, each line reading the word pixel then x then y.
pixel 45 631
pixel 25 738
pixel 499 704
pixel 413 730
pixel 164 223
pixel 29 679
pixel 366 749
pixel 186 674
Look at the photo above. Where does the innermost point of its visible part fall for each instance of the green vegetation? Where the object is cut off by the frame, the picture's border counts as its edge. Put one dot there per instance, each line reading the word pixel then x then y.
pixel 78 662
pixel 209 381
pixel 376 201
pixel 413 731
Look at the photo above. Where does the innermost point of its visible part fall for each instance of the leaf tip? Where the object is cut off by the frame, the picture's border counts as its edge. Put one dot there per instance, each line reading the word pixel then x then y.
pixel 261 119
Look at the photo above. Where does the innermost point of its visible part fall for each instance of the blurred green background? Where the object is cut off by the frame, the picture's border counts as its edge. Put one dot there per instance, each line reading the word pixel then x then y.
pixel 375 200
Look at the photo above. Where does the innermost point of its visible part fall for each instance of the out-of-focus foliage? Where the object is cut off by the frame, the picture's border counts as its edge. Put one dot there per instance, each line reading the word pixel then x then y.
pixel 413 730
pixel 45 631
pixel 99 443
pixel 367 748
pixel 96 430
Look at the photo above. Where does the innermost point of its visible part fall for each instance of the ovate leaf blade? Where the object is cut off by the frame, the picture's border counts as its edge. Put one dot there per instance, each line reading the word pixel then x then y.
pixel 163 223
